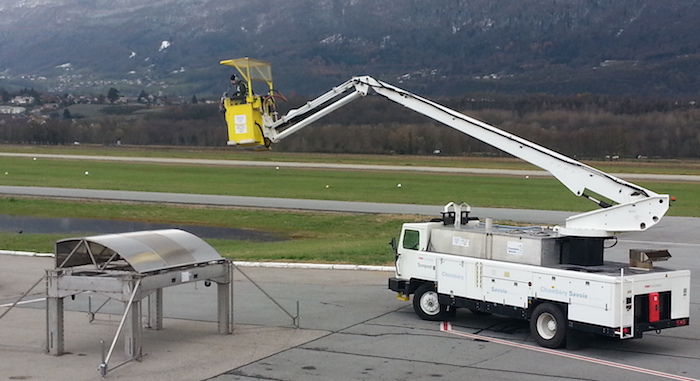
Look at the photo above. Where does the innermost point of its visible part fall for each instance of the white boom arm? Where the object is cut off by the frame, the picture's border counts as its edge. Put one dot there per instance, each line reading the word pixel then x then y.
pixel 637 208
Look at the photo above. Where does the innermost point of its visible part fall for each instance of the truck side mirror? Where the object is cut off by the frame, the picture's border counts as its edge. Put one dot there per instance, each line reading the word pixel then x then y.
pixel 393 244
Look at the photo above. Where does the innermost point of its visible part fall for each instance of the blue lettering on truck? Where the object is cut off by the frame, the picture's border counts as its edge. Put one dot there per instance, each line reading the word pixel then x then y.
pixel 453 276
pixel 571 294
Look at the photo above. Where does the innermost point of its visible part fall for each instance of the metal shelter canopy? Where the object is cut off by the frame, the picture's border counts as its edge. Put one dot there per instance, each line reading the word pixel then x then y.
pixel 143 251
pixel 129 267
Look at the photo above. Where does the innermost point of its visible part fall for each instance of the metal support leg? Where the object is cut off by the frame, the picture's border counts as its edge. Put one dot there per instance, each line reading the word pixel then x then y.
pixel 54 326
pixel 223 296
pixel 132 334
pixel 155 310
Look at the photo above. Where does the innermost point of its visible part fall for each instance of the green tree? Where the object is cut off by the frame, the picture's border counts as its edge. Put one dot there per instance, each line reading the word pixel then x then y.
pixel 112 95
pixel 143 97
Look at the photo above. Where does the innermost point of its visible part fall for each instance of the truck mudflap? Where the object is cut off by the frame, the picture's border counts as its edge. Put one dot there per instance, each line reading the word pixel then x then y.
pixel 639 328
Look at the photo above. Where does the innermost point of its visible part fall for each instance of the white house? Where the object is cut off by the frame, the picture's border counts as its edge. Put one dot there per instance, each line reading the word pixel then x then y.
pixel 22 100
pixel 12 110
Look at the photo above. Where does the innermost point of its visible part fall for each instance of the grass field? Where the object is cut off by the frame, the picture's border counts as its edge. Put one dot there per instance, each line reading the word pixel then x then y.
pixel 325 237
pixel 311 236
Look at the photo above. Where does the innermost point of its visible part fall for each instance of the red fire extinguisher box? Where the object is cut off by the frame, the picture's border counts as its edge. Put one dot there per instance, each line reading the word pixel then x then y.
pixel 654 307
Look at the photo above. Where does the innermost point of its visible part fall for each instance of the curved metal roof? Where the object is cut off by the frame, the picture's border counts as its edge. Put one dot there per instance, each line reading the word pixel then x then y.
pixel 144 251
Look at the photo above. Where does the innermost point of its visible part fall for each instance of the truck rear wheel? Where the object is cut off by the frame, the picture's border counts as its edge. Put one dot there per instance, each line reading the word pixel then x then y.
pixel 427 306
pixel 548 325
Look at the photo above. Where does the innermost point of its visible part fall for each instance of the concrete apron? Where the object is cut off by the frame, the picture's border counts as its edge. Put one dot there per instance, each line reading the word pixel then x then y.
pixel 183 350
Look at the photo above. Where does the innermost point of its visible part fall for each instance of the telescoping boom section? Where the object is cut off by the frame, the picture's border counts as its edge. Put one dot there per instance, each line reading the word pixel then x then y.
pixel 630 207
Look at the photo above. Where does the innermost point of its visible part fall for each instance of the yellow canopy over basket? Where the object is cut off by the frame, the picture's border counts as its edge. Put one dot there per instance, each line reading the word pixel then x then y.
pixel 252 70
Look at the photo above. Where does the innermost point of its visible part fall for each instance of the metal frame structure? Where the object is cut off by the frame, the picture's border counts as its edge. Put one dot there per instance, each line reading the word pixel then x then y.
pixel 129 267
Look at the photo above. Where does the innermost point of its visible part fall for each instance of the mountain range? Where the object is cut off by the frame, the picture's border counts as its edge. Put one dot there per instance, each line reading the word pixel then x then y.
pixel 433 47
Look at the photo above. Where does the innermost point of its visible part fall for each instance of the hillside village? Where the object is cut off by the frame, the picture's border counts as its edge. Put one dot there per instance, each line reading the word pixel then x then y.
pixel 581 125
pixel 36 106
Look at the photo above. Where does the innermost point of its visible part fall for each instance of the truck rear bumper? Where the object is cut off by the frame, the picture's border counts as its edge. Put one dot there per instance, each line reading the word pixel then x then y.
pixel 661 324
pixel 639 328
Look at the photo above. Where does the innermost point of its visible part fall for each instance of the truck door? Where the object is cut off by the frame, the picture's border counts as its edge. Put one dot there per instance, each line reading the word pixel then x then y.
pixel 413 261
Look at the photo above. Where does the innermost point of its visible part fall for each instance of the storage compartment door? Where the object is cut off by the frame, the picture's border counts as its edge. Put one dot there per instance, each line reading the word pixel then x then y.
pixel 452 277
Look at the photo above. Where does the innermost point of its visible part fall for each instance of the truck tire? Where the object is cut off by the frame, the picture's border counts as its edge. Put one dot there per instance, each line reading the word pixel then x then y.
pixel 548 325
pixel 427 307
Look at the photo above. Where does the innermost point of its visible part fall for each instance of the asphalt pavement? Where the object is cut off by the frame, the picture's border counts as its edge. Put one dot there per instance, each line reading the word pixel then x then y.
pixel 351 327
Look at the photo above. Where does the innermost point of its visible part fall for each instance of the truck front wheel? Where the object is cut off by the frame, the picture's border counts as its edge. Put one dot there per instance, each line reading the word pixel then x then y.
pixel 548 325
pixel 426 305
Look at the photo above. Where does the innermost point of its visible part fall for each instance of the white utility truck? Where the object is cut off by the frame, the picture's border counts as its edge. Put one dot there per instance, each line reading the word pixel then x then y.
pixel 555 277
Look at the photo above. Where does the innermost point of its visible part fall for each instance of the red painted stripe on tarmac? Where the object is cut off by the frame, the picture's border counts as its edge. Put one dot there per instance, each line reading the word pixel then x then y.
pixel 447 327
